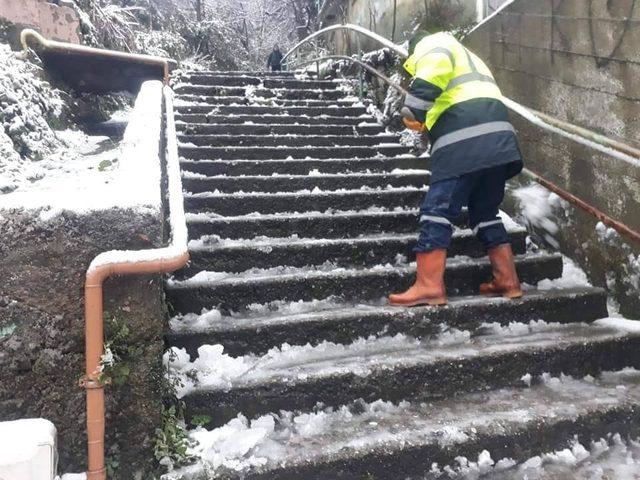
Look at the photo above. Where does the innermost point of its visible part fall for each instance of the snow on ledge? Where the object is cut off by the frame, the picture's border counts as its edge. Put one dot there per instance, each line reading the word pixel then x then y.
pixel 177 220
pixel 133 182
pixel 21 440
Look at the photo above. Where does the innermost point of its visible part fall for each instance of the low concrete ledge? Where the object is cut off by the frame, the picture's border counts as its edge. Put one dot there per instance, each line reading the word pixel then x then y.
pixel 50 235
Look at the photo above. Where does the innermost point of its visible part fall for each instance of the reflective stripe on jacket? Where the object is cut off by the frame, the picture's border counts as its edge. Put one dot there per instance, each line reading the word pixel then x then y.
pixel 454 93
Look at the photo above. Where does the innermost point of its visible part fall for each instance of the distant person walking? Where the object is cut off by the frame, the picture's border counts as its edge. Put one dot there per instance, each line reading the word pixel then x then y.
pixel 274 62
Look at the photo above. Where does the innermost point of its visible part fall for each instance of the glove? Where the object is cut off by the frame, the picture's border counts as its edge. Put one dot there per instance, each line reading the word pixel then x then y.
pixel 414 125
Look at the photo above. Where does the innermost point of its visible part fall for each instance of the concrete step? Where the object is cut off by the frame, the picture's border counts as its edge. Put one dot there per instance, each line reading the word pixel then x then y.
pixel 271 119
pixel 213 100
pixel 304 201
pixel 283 183
pixel 267 110
pixel 194 75
pixel 258 333
pixel 224 255
pixel 385 441
pixel 402 368
pixel 231 129
pixel 283 93
pixel 276 153
pixel 234 292
pixel 275 82
pixel 301 166
pixel 237 140
pixel 327 224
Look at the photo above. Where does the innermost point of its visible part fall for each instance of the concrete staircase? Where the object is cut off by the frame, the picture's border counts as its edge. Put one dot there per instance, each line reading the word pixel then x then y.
pixel 308 207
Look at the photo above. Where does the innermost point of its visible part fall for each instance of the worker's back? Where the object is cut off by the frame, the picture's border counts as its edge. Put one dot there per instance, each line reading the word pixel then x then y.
pixel 444 62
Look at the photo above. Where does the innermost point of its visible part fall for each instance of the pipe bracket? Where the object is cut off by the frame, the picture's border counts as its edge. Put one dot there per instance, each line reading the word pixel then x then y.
pixel 90 383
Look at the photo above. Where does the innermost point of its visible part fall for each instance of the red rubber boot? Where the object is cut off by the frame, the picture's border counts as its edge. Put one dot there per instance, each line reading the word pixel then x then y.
pixel 429 288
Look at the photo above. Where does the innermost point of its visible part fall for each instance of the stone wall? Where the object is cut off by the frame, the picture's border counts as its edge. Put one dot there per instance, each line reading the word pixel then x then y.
pixel 54 21
pixel 579 61
pixel 377 15
pixel 43 260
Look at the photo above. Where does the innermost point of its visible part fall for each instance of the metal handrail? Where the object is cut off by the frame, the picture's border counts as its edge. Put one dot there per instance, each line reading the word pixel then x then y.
pixel 578 134
pixel 348 26
pixel 575 133
pixel 361 64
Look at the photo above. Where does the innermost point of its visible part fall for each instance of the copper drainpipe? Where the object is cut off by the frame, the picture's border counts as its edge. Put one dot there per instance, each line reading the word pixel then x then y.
pixel 106 265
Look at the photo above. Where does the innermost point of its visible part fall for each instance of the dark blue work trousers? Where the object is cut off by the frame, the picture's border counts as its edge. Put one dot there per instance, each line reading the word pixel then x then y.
pixel 481 191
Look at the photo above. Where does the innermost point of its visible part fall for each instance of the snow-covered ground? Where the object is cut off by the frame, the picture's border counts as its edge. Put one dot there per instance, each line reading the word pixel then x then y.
pixel 87 173
pixel 554 220
pixel 27 105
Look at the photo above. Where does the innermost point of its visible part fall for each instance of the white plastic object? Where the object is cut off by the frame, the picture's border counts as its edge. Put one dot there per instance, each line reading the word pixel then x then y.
pixel 28 450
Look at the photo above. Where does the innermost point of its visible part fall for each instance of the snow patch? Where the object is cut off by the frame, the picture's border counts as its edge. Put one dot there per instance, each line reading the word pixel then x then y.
pixel 83 178
pixel 537 206
pixel 572 277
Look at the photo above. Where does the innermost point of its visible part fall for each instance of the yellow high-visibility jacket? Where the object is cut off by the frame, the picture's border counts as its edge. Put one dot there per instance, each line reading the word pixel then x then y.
pixel 455 95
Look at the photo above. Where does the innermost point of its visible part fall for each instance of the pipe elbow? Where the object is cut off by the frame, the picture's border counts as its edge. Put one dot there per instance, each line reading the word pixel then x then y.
pixel 29 33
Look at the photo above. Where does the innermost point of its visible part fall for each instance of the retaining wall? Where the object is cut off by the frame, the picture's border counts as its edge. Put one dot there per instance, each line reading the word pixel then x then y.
pixel 43 260
pixel 579 61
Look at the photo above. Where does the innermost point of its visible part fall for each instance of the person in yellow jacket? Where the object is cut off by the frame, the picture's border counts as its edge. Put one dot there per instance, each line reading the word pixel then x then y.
pixel 474 151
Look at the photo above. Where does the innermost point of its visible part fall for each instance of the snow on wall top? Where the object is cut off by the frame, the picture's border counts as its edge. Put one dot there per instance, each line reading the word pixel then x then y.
pixel 20 439
pixel 179 234
pixel 83 181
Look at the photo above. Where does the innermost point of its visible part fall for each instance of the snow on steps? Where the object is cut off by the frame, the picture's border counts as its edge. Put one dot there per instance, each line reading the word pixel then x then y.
pixel 283 152
pixel 235 291
pixel 305 241
pixel 301 166
pixel 395 441
pixel 231 110
pixel 329 223
pixel 286 140
pixel 239 203
pixel 279 183
pixel 276 83
pixel 394 368
pixel 216 254
pixel 272 118
pixel 257 92
pixel 274 129
pixel 264 327
pixel 240 73
pixel 213 100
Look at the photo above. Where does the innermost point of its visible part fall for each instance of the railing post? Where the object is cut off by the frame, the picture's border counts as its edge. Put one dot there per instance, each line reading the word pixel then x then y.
pixel 360 72
pixel 315 44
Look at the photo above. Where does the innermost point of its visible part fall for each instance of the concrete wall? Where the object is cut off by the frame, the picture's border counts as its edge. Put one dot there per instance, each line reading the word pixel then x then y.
pixel 43 260
pixel 578 60
pixel 57 22
pixel 42 267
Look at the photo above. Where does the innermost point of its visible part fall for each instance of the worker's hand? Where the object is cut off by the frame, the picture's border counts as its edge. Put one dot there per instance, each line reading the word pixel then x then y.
pixel 414 125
